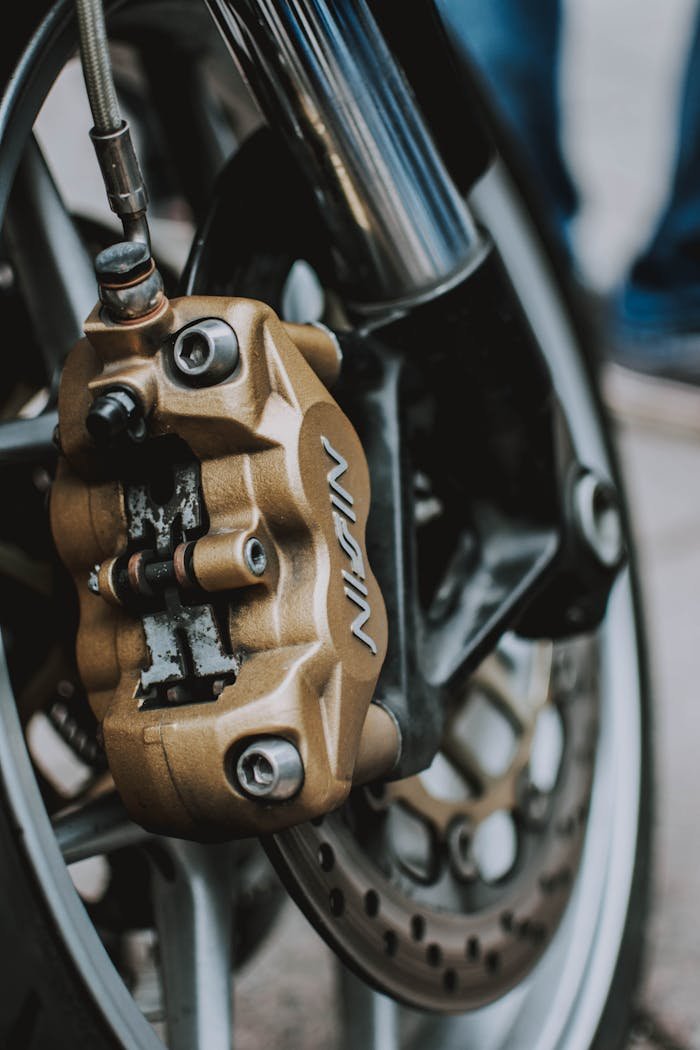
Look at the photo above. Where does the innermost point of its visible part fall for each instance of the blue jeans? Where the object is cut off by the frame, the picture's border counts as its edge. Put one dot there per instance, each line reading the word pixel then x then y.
pixel 515 46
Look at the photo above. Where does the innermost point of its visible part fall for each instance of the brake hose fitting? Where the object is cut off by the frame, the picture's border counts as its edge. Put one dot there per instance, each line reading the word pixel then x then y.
pixel 126 190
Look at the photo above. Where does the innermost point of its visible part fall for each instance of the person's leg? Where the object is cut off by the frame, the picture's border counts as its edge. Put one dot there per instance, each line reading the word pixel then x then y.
pixel 662 293
pixel 515 45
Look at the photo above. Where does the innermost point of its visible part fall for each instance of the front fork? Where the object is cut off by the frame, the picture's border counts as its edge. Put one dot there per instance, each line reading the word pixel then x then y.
pixel 428 295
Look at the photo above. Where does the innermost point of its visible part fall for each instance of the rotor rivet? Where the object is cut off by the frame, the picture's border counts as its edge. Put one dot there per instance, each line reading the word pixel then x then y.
pixel 271 769
pixel 459 839
pixel 534 805
pixel 206 352
pixel 598 519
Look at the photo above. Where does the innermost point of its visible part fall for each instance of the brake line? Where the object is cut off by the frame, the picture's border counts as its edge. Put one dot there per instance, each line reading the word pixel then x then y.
pixel 124 183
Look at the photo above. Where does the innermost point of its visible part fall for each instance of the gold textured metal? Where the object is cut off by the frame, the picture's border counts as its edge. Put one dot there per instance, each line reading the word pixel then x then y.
pixel 272 445
pixel 218 561
pixel 523 701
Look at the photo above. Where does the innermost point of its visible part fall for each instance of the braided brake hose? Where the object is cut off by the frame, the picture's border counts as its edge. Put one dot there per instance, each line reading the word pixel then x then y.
pixel 111 137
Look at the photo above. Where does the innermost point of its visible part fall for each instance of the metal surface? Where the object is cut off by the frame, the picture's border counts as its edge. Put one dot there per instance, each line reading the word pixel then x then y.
pixel 270 768
pixel 255 556
pixel 29 440
pixel 97 67
pixel 98 826
pixel 111 137
pixel 123 262
pixel 128 302
pixel 491 537
pixel 598 517
pixel 193 899
pixel 53 266
pixel 325 79
pixel 126 191
pixel 516 679
pixel 185 652
pixel 561 1006
pixel 379 879
pixel 206 352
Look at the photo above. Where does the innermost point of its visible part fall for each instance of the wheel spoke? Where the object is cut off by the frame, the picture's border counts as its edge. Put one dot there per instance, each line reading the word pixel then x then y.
pixel 370 1020
pixel 483 601
pixel 193 901
pixel 98 826
pixel 54 269
pixel 28 440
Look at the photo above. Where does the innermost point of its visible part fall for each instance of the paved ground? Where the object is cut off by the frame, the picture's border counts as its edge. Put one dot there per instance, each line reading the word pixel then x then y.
pixel 622 74
pixel 661 473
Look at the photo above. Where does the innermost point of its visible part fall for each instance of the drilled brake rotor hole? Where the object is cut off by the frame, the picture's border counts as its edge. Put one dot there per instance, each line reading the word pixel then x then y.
pixel 326 857
pixel 336 902
pixel 372 903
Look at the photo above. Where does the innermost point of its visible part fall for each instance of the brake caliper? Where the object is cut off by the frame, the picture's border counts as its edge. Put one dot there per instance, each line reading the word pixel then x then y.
pixel 211 503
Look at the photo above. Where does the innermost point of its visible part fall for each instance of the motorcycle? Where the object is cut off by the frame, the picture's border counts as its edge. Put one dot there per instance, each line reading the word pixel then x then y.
pixel 317 577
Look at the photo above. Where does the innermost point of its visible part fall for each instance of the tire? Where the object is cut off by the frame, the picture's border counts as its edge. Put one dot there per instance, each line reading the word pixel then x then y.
pixel 60 988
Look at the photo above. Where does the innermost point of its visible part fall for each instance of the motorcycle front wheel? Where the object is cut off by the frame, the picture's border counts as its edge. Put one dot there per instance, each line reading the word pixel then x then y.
pixel 153 957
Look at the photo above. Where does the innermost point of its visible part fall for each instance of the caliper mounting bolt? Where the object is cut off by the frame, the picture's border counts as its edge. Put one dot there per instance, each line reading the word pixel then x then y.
pixel 270 769
pixel 598 519
pixel 206 352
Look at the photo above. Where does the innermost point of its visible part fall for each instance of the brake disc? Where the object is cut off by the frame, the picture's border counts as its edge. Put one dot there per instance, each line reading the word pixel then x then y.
pixel 443 890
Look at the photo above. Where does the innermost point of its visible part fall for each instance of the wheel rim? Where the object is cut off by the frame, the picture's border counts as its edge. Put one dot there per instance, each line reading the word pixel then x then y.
pixel 593 916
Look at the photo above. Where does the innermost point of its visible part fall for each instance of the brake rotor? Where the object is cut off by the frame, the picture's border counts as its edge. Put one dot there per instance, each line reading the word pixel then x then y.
pixel 443 890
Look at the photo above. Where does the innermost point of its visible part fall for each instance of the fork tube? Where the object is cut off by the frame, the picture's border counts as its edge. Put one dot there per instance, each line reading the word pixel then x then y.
pixel 324 77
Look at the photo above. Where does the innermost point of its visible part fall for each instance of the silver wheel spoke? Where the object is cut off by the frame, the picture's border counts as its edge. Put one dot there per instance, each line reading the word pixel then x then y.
pixel 370 1020
pixel 193 901
pixel 28 440
pixel 98 826
pixel 54 269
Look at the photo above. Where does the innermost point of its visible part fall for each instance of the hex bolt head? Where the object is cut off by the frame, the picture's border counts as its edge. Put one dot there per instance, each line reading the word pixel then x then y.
pixel 255 556
pixel 113 414
pixel 270 769
pixel 206 352
pixel 123 262
pixel 598 519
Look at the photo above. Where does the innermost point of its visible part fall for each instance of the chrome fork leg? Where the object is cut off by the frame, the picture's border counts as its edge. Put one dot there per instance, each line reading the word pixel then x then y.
pixel 324 77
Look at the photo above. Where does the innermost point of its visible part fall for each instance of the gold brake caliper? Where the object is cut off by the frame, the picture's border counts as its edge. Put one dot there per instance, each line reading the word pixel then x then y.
pixel 210 503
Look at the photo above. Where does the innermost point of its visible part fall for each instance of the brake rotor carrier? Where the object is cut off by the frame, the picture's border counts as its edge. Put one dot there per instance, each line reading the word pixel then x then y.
pixel 217 543
pixel 449 938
